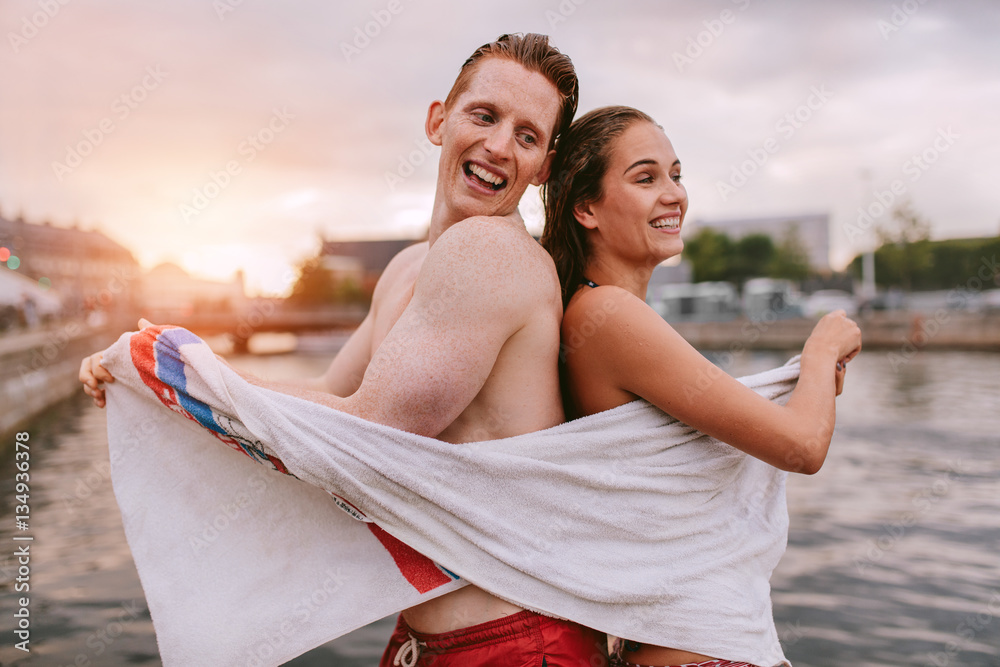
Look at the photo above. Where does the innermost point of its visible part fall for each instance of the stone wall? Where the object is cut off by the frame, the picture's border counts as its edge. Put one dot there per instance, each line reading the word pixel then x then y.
pixel 40 368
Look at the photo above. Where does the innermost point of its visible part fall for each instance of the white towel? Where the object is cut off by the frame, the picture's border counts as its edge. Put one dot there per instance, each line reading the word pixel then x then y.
pixel 626 521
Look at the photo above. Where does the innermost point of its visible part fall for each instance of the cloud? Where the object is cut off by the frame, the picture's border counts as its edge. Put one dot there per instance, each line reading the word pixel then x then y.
pixel 357 115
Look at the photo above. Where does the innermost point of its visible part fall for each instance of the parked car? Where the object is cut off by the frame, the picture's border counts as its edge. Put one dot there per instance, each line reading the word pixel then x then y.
pixel 769 299
pixel 826 301
pixel 695 302
pixel 991 299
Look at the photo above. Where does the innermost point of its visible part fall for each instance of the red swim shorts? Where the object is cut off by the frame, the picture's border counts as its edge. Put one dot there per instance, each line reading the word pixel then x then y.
pixel 618 661
pixel 524 639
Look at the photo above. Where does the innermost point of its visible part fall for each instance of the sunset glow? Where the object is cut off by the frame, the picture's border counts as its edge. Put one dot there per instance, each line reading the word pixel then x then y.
pixel 234 142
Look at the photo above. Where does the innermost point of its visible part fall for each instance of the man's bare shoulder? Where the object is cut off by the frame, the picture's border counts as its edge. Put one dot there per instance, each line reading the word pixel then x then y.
pixel 405 261
pixel 488 231
pixel 501 248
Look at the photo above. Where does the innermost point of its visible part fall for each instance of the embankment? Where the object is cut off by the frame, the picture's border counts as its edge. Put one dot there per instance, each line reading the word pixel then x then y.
pixel 41 367
pixel 907 331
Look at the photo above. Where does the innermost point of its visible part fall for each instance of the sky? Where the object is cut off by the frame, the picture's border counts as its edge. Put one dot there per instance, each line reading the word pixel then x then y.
pixel 225 134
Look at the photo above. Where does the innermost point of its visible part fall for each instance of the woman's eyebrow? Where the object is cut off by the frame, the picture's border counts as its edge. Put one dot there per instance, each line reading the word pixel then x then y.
pixel 639 164
pixel 647 161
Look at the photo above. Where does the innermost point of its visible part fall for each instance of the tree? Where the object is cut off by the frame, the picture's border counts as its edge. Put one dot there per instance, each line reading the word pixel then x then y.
pixel 905 226
pixel 791 259
pixel 753 256
pixel 714 256
pixel 318 285
pixel 711 256
pixel 949 264
pixel 908 232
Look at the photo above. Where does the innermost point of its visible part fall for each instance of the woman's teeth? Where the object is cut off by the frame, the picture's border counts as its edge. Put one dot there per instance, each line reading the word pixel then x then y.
pixel 666 223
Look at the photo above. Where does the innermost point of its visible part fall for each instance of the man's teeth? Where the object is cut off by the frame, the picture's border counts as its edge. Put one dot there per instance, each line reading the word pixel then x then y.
pixel 492 179
pixel 666 223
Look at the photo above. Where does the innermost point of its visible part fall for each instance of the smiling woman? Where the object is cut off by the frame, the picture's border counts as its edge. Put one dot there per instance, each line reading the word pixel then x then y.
pixel 642 186
pixel 614 211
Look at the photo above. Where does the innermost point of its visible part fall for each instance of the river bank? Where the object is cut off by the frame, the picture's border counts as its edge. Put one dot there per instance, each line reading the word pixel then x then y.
pixel 903 331
pixel 40 367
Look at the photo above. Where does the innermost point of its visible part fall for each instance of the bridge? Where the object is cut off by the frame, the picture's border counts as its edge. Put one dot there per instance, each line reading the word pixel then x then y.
pixel 264 315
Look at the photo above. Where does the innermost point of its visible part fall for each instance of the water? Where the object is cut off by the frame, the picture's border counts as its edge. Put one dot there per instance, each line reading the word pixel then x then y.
pixel 893 555
pixel 894 547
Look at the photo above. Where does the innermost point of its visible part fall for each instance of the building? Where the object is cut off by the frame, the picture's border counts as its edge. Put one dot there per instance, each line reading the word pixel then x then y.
pixel 813 230
pixel 169 294
pixel 23 302
pixel 670 274
pixel 86 269
pixel 364 261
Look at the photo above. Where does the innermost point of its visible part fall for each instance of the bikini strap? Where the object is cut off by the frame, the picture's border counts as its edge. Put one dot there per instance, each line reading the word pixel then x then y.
pixel 588 283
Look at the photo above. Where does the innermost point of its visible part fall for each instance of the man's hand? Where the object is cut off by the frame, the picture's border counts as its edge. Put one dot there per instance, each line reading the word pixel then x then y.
pixel 93 374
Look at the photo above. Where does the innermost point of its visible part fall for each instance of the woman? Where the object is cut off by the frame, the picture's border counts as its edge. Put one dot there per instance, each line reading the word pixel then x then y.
pixel 614 210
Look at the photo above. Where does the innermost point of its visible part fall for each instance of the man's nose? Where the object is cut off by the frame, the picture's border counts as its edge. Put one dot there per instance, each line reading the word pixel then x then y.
pixel 498 141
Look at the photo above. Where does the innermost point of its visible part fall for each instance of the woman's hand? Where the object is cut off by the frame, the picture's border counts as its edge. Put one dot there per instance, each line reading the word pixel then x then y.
pixel 834 338
pixel 841 372
pixel 837 333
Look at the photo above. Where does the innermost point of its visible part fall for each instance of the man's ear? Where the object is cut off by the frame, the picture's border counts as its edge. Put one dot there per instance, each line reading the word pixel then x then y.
pixel 545 170
pixel 435 119
pixel 585 216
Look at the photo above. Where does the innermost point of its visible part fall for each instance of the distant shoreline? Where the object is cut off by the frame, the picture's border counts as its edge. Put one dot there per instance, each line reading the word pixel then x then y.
pixel 906 331
pixel 41 366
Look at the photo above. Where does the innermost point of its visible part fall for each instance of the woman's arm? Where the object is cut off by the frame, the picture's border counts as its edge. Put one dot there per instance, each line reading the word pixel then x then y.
pixel 633 353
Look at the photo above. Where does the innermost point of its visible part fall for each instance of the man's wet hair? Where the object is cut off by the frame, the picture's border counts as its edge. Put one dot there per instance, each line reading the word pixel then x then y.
pixel 533 52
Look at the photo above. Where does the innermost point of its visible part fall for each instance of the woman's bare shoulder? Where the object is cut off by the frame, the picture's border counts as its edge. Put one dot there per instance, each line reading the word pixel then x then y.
pixel 610 311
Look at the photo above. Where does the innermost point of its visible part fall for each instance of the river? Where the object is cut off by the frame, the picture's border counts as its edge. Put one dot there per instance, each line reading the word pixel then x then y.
pixel 893 554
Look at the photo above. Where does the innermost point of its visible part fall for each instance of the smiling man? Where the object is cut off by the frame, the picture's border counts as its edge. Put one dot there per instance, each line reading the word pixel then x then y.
pixel 462 339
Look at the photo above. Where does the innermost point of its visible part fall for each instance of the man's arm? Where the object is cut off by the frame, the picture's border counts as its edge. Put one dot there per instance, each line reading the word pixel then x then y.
pixel 472 295
pixel 343 376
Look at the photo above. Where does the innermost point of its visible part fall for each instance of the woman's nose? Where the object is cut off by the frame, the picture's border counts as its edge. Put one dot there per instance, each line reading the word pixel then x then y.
pixel 673 192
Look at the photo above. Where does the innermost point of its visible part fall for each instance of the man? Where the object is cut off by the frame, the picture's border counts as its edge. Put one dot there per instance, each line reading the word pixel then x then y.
pixel 462 339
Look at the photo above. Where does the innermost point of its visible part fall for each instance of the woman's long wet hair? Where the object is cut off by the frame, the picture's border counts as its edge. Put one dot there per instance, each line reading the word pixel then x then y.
pixel 582 156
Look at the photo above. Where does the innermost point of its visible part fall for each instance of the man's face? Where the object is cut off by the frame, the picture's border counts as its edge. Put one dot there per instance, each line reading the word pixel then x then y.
pixel 494 139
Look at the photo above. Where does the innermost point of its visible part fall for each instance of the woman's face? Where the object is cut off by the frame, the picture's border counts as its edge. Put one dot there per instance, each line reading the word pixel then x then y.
pixel 639 216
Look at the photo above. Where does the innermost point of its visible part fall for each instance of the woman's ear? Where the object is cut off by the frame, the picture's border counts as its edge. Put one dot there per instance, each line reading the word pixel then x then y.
pixel 585 216
pixel 435 119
